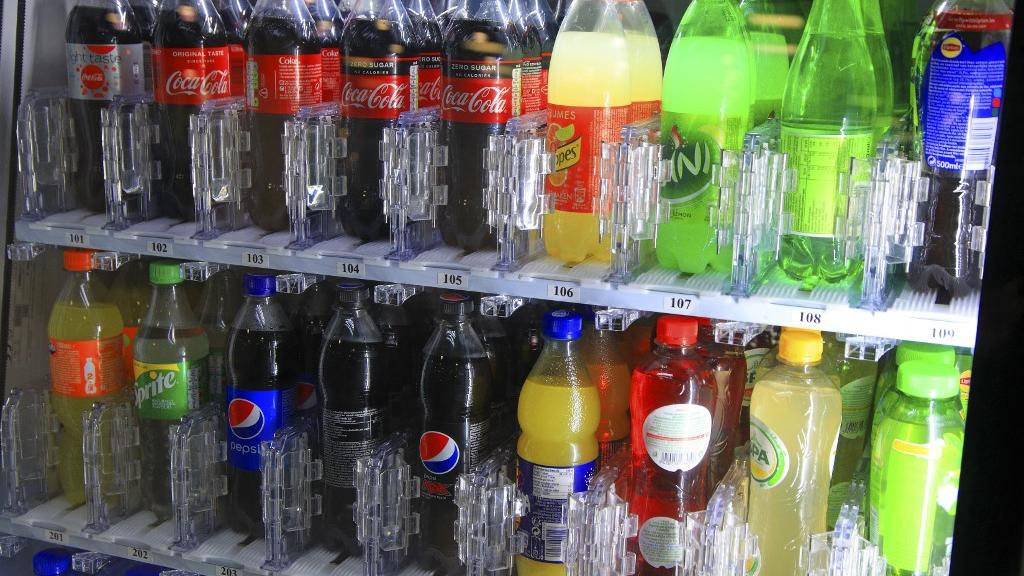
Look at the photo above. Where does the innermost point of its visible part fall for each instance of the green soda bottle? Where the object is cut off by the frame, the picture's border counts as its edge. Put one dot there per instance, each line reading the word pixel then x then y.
pixel 170 366
pixel 771 58
pixel 901 22
pixel 829 116
pixel 880 61
pixel 916 456
pixel 706 106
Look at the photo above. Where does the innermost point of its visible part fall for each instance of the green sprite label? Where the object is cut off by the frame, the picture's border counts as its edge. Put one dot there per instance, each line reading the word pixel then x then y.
pixel 169 391
pixel 769 460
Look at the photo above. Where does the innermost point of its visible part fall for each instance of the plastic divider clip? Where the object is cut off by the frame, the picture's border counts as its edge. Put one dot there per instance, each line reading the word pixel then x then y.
pixel 28 451
pixel 289 502
pixel 296 283
pixel 843 552
pixel 383 513
pixel 615 319
pixel 111 261
pixel 110 450
pixel 24 251
pixel 500 306
pixel 717 541
pixel 314 173
pixel 394 294
pixel 737 333
pixel 599 524
pixel 201 271
pixel 47 153
pixel 11 545
pixel 516 163
pixel 220 137
pixel 870 348
pixel 90 562
pixel 412 184
pixel 131 164
pixel 198 481
pixel 983 212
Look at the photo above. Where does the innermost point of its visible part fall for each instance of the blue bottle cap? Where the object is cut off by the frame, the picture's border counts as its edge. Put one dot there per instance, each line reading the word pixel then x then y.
pixel 260 285
pixel 145 570
pixel 52 562
pixel 563 325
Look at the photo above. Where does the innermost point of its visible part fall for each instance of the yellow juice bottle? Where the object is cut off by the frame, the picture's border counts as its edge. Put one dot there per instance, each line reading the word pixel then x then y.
pixel 644 60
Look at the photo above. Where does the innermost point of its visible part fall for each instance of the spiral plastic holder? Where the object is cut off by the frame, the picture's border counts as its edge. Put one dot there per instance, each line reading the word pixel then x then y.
pixel 289 502
pixel 737 333
pixel 110 450
pixel 629 205
pixel 412 184
pixel 843 552
pixel 489 505
pixel 394 294
pixel 111 261
pixel 717 541
pixel 500 306
pixel 201 271
pixel 870 348
pixel 296 283
pixel 24 251
pixel 131 163
pixel 314 176
pixel 516 164
pixel 221 176
pixel 11 545
pixel 198 481
pixel 383 513
pixel 615 319
pixel 599 524
pixel 90 562
pixel 982 203
pixel 749 216
pixel 47 153
pixel 28 451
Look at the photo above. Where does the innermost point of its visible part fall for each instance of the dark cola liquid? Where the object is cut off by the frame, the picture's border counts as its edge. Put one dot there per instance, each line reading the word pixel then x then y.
pixel 174 31
pixel 402 359
pixel 329 31
pixel 235 16
pixel 88 25
pixel 145 16
pixel 273 36
pixel 429 32
pixel 526 337
pixel 504 391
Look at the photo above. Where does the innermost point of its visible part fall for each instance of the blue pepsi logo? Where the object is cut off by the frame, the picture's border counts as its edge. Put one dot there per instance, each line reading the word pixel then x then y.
pixel 245 418
pixel 439 452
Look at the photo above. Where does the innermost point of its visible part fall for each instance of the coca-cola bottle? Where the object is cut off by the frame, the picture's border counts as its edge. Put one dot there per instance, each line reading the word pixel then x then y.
pixel 541 19
pixel 329 25
pixel 105 58
pixel 235 15
pixel 379 54
pixel 283 74
pixel 425 22
pixel 481 66
pixel 530 70
pixel 345 8
pixel 191 65
pixel 145 17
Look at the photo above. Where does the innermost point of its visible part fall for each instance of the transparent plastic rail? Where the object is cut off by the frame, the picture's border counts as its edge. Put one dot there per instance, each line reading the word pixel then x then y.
pixel 221 176
pixel 296 283
pixel 489 505
pixel 979 232
pixel 599 524
pixel 11 545
pixel 843 551
pixel 516 163
pixel 110 450
pixel 314 173
pixel 412 185
pixel 28 451
pixel 500 306
pixel 24 251
pixel 47 153
pixel 394 294
pixel 90 562
pixel 870 348
pixel 717 541
pixel 198 480
pixel 131 166
pixel 383 512
pixel 737 333
pixel 111 261
pixel 201 271
pixel 615 319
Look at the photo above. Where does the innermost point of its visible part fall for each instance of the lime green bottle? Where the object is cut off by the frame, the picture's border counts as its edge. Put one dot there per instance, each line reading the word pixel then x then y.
pixel 882 64
pixel 771 58
pixel 706 105
pixel 916 456
pixel 829 116
pixel 901 22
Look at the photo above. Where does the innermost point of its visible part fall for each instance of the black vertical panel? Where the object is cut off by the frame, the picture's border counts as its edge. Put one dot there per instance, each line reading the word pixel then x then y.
pixel 989 536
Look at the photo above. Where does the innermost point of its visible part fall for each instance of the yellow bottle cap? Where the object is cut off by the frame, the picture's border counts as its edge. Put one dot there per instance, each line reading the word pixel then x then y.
pixel 798 346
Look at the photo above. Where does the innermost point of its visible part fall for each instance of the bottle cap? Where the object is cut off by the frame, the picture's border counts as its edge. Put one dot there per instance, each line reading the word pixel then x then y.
pixel 52 561
pixel 798 346
pixel 677 330
pixel 919 351
pixel 353 292
pixel 563 325
pixel 165 272
pixel 260 285
pixel 78 260
pixel 456 304
pixel 928 380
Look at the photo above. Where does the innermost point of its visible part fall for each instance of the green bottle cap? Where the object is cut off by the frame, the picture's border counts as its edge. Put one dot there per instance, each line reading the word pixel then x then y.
pixel 928 380
pixel 164 272
pixel 931 353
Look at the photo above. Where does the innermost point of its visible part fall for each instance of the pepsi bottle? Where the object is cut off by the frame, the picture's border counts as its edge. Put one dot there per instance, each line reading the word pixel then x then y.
pixel 424 21
pixel 316 307
pixel 235 15
pixel 455 388
pixel 329 25
pixel 263 365
pixel 401 365
pixel 503 390
pixel 355 410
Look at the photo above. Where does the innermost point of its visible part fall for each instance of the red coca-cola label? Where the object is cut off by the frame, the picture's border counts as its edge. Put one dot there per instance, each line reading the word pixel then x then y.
pixel 430 86
pixel 532 73
pixel 283 83
pixel 967 21
pixel 377 88
pixel 236 54
pixel 481 92
pixel 331 65
pixel 191 76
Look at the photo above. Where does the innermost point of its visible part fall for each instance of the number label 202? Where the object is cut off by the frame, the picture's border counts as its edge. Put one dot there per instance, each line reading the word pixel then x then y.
pixel 140 553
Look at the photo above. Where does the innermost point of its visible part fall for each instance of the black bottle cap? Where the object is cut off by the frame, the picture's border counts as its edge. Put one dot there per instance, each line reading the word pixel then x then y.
pixel 353 292
pixel 456 304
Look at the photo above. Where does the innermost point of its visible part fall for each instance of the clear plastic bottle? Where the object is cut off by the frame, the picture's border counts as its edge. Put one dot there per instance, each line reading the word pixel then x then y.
pixel 607 364
pixel 645 72
pixel 771 58
pixel 882 65
pixel 218 305
pixel 729 367
pixel 130 292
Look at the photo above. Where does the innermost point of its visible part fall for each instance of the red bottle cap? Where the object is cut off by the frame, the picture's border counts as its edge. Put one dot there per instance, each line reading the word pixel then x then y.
pixel 677 331
pixel 76 260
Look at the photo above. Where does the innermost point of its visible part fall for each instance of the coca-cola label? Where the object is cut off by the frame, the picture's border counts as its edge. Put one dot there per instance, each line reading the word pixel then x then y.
pixel 331 66
pixel 430 85
pixel 102 71
pixel 282 83
pixel 481 92
pixel 532 76
pixel 191 76
pixel 377 88
pixel 236 54
pixel 575 134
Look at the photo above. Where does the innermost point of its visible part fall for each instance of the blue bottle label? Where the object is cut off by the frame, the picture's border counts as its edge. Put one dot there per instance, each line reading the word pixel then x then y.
pixel 961 99
pixel 548 488
pixel 254 416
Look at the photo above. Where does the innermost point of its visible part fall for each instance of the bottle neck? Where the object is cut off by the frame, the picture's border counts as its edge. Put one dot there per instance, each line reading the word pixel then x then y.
pixel 168 306
pixel 555 347
pixel 675 348
pixel 839 17
pixel 801 366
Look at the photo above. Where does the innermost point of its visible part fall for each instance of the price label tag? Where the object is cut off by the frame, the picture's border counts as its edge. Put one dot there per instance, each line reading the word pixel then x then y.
pixel 942 333
pixel 56 536
pixel 159 248
pixel 810 317
pixel 458 280
pixel 352 269
pixel 140 553
pixel 227 571
pixel 76 238
pixel 683 303
pixel 564 292
pixel 255 259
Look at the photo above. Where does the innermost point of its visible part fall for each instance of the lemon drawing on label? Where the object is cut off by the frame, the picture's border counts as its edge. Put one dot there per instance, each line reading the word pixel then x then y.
pixel 769 460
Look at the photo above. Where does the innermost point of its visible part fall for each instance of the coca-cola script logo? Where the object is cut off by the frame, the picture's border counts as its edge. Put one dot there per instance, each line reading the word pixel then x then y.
pixel 383 96
pixel 430 90
pixel 93 77
pixel 215 83
pixel 485 100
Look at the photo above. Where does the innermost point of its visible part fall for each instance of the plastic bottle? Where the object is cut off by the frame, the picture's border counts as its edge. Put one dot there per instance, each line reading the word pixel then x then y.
pixel 263 366
pixel 283 73
pixel 644 60
pixel 503 389
pixel 531 65
pixel 355 410
pixel 881 64
pixel 639 338
pixel 235 15
pixel 171 372
pixel 455 388
pixel 917 457
pixel 771 58
pixel 525 329
pixel 755 352
pixel 86 361
pixel 540 18
pixel 901 22
pixel 728 365
pixel 329 25
pixel 105 58
pixel 671 408
pixel 558 452
pixel 218 305
pixel 425 22
pixel 829 114
pixel 604 354
pixel 795 416
pixel 589 95
pixel 964 363
pixel 316 308
pixel 130 292
pixel 401 359
pixel 711 44
pixel 146 12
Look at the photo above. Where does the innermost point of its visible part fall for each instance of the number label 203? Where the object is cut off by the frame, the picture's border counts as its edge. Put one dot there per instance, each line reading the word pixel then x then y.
pixel 227 571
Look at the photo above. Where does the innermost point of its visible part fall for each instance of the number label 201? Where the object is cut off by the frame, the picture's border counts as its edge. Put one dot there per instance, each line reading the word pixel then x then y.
pixel 55 536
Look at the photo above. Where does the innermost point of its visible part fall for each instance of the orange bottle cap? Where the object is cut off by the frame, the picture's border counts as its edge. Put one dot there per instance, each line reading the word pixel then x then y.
pixel 78 260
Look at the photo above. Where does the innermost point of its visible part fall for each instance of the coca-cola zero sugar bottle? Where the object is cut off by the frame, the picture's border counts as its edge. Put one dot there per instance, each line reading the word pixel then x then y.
pixel 328 25
pixel 425 22
pixel 235 15
pixel 531 66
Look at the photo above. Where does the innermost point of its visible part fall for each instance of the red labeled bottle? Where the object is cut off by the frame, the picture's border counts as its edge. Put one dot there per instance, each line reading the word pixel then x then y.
pixel 425 22
pixel 531 66
pixel 672 403
pixel 328 26
pixel 235 15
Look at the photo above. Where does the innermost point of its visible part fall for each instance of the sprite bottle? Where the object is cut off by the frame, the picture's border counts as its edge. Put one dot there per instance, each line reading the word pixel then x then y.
pixel 882 65
pixel 829 115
